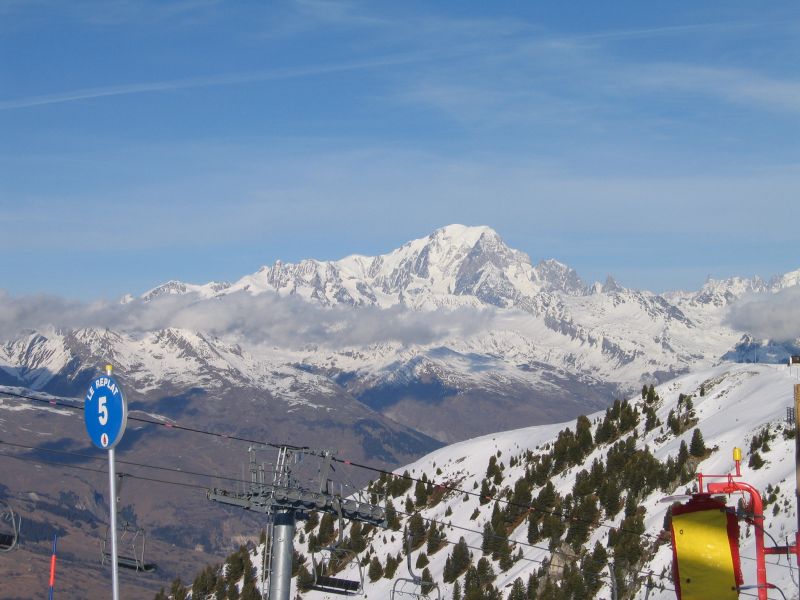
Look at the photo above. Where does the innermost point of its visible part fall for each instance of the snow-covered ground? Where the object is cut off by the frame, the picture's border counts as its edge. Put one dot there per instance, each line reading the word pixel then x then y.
pixel 739 401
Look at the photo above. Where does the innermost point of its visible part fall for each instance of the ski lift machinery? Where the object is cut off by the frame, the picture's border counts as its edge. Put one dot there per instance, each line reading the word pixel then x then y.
pixel 10 526
pixel 289 498
pixel 414 587
pixel 132 538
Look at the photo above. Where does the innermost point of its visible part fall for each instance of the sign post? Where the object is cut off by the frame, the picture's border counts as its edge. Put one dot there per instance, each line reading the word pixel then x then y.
pixel 106 415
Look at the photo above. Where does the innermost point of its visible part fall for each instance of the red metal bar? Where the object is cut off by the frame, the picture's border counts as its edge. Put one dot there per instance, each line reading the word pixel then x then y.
pixel 730 487
pixel 797 464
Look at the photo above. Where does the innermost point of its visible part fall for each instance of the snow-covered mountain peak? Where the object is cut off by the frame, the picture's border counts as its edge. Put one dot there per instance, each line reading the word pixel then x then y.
pixel 559 277
pixel 721 292
pixel 790 279
pixel 454 266
pixel 463 235
pixel 174 288
pixel 611 285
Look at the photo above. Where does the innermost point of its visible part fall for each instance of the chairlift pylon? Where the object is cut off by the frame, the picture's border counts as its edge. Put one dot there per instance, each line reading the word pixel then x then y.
pixel 336 560
pixel 414 587
pixel 10 524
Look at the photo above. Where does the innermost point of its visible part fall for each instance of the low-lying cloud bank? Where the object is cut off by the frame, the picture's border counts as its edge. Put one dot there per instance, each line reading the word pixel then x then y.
pixel 768 316
pixel 264 318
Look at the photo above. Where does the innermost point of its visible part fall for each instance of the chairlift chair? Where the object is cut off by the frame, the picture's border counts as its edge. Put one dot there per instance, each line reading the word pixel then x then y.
pixel 130 538
pixel 704 531
pixel 9 527
pixel 413 587
pixel 334 559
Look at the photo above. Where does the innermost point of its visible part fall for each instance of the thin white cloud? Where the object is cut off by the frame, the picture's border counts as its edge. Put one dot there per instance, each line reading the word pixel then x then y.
pixel 200 82
pixel 287 322
pixel 734 85
pixel 108 12
pixel 677 30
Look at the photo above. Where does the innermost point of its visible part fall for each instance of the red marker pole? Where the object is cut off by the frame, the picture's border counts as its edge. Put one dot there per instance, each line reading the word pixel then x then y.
pixel 53 568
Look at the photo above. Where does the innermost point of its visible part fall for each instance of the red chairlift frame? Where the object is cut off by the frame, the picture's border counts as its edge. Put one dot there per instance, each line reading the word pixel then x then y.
pixel 755 518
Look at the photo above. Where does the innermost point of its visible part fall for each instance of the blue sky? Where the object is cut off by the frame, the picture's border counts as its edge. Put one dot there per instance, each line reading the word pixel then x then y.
pixel 198 140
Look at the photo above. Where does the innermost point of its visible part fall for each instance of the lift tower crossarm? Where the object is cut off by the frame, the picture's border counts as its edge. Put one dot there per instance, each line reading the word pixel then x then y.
pixel 285 500
pixel 272 498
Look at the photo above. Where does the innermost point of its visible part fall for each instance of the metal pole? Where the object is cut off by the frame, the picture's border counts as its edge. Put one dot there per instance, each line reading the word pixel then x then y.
pixel 757 506
pixel 797 466
pixel 112 487
pixel 280 578
pixel 51 591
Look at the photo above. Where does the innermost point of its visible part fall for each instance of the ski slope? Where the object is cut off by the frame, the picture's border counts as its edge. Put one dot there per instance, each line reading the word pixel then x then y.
pixel 739 400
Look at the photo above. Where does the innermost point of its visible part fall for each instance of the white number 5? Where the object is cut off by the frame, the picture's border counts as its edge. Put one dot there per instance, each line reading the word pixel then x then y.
pixel 102 410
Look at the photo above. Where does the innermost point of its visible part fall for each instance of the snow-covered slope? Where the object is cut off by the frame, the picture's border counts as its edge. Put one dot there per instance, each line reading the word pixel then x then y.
pixel 738 403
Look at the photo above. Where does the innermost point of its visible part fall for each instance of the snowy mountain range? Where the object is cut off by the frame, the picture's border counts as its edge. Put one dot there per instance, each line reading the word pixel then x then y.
pixel 386 358
pixel 455 321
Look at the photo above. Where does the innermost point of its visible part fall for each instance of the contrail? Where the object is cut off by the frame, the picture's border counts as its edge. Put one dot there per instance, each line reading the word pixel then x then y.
pixel 196 82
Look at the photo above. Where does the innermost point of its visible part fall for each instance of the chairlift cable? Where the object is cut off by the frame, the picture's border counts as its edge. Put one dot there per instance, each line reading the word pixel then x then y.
pixel 529 508
pixel 201 487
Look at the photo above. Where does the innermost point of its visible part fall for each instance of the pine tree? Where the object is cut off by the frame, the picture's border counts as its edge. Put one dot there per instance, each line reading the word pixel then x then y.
pixel 375 571
pixel 233 592
pixel 533 586
pixel 427 581
pixel 674 423
pixel 488 538
pixel 205 582
pixel 502 550
pixel 651 419
pixel 391 516
pixel 755 462
pixel 436 539
pixel 485 571
pixel 457 562
pixel 326 529
pixel 221 589
pixel 249 591
pixel 651 394
pixel 486 492
pixel 391 566
pixel 421 494
pixel 456 590
pixel 416 529
pixel 177 590
pixel 304 579
pixel 583 435
pixel 357 541
pixel 518 591
pixel 697 447
pixel 311 522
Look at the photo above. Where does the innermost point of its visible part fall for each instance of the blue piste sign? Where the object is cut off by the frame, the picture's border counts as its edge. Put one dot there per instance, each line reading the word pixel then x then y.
pixel 105 412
